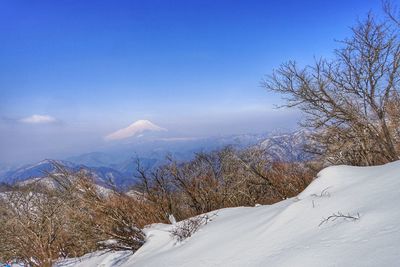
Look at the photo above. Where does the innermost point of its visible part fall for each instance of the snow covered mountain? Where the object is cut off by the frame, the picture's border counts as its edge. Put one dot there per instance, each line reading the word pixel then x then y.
pixel 119 162
pixel 102 175
pixel 135 129
pixel 348 216
pixel 153 151
pixel 121 157
pixel 288 146
pixel 35 170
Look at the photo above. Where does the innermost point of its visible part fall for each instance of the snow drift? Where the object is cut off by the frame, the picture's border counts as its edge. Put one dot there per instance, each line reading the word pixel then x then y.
pixel 288 233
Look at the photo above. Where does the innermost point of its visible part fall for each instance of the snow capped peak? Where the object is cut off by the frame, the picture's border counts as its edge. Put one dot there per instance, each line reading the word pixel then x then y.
pixel 143 122
pixel 135 129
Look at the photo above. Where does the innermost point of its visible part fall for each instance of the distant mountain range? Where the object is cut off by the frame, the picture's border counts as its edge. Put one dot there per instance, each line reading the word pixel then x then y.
pixel 102 175
pixel 288 147
pixel 118 164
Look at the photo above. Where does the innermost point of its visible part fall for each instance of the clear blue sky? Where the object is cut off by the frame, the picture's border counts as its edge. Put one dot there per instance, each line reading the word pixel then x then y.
pixel 193 67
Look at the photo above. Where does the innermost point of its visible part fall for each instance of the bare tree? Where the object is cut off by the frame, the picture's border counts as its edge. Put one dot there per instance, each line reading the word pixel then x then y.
pixel 220 179
pixel 32 226
pixel 349 100
pixel 110 220
pixel 73 217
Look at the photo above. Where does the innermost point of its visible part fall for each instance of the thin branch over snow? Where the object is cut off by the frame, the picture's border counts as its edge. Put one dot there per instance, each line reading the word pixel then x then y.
pixel 324 193
pixel 338 215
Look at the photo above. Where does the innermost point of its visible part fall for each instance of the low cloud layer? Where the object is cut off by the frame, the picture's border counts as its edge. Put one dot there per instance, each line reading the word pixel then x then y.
pixel 38 119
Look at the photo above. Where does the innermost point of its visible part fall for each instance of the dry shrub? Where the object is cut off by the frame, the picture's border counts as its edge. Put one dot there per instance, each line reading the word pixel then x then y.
pixel 220 179
pixel 105 215
pixel 187 228
pixel 41 225
pixel 75 216
pixel 32 227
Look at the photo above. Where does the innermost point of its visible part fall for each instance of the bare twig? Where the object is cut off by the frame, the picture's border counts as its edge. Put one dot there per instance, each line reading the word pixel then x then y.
pixel 338 215
pixel 324 193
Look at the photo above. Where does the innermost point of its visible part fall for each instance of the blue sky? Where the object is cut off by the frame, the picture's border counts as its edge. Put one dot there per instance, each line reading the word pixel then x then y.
pixel 192 67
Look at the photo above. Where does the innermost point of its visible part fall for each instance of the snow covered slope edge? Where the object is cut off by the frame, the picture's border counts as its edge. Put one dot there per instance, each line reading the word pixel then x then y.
pixel 294 232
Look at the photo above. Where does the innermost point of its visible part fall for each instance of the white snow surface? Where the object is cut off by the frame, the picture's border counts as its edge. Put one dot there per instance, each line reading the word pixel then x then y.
pixel 287 233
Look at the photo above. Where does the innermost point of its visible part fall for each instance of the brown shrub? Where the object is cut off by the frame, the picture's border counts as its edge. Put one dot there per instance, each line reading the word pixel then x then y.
pixel 41 225
pixel 220 179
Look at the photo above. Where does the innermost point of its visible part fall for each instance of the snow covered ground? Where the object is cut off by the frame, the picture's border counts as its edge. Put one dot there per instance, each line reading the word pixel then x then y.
pixel 290 232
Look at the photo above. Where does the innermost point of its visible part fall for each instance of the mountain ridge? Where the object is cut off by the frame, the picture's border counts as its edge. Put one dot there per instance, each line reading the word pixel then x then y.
pixel 119 165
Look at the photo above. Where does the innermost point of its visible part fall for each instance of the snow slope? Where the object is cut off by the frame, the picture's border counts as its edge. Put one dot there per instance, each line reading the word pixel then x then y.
pixel 288 233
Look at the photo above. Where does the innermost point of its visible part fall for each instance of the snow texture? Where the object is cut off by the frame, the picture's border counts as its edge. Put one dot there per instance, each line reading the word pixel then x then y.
pixel 288 233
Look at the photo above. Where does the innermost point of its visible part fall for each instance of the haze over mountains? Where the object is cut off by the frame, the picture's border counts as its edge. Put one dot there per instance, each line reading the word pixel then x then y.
pixel 148 142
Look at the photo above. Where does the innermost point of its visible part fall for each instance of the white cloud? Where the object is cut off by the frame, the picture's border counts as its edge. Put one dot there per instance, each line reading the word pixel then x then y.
pixel 36 119
pixel 135 129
